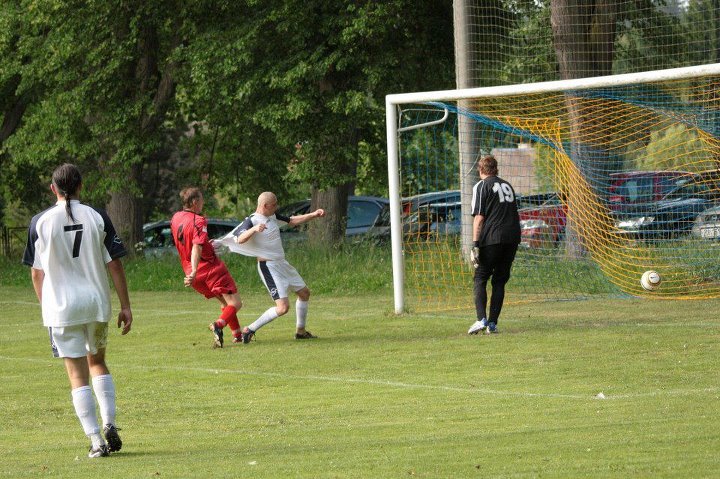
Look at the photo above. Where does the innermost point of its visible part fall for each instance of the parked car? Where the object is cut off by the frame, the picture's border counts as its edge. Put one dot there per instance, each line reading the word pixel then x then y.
pixel 434 219
pixel 673 215
pixel 158 240
pixel 640 187
pixel 542 220
pixel 363 213
pixel 707 224
pixel 411 204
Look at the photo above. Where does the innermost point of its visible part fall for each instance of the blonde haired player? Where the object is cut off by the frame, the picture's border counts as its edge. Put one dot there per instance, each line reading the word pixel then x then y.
pixel 259 236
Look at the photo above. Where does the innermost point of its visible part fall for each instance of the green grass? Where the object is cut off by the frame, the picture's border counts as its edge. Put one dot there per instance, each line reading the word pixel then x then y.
pixel 354 268
pixel 378 395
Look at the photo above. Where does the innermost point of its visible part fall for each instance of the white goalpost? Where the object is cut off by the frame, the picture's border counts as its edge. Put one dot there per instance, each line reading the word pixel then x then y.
pixel 569 179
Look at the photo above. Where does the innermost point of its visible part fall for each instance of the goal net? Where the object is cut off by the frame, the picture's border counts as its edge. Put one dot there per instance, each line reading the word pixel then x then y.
pixel 615 176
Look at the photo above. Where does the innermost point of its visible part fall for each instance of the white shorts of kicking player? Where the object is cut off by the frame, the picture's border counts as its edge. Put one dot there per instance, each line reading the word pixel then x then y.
pixel 279 278
pixel 79 340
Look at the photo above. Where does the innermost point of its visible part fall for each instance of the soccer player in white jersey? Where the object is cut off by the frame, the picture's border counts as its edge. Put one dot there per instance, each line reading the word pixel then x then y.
pixel 70 248
pixel 259 236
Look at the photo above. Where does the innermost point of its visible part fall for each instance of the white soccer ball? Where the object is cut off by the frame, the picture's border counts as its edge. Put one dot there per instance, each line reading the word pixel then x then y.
pixel 650 280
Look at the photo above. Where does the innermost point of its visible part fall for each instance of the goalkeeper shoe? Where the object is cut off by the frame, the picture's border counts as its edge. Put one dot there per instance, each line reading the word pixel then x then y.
pixel 217 335
pixel 491 328
pixel 247 335
pixel 478 326
pixel 100 451
pixel 112 437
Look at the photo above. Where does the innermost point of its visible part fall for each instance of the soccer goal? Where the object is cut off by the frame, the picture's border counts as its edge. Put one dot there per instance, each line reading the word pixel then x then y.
pixel 615 175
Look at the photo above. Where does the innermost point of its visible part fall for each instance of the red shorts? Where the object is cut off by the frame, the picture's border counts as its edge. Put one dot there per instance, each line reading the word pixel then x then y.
pixel 213 280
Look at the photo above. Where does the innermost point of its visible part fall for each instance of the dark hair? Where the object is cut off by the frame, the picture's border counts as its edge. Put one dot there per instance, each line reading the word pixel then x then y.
pixel 189 195
pixel 67 179
pixel 488 165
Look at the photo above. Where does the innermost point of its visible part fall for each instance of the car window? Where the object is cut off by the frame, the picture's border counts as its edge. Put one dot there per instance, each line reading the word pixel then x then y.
pixel 217 230
pixel 362 213
pixel 384 218
pixel 158 237
pixel 688 190
pixel 294 209
pixel 636 190
pixel 454 215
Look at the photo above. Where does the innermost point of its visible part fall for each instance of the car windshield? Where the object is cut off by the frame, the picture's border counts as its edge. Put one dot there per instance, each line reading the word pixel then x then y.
pixel 158 237
pixel 688 190
pixel 541 199
pixel 635 190
pixel 362 213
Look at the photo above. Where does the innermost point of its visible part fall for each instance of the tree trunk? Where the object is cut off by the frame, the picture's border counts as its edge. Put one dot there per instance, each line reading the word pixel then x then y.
pixel 125 211
pixel 584 41
pixel 126 207
pixel 329 231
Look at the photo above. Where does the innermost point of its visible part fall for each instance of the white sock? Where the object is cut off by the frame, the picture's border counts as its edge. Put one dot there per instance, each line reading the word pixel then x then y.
pixel 85 409
pixel 96 440
pixel 264 318
pixel 104 388
pixel 301 308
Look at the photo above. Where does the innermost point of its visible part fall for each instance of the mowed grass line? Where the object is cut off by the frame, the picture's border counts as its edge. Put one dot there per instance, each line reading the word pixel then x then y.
pixel 378 395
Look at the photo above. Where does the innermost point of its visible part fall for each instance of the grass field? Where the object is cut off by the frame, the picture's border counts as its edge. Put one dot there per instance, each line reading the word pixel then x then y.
pixel 378 395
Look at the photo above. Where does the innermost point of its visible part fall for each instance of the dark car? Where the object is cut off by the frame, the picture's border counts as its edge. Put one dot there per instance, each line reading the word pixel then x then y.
pixel 433 219
pixel 672 216
pixel 363 213
pixel 630 188
pixel 411 204
pixel 158 240
pixel 542 220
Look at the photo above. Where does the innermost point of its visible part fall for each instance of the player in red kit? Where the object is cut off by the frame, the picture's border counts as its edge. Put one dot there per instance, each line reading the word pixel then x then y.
pixel 204 271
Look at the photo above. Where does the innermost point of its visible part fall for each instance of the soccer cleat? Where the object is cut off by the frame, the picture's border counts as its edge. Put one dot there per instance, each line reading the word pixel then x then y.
pixel 112 437
pixel 305 335
pixel 247 335
pixel 478 326
pixel 217 335
pixel 101 451
pixel 491 328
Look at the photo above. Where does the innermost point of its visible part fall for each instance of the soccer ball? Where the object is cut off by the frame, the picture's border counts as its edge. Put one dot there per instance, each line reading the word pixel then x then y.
pixel 650 280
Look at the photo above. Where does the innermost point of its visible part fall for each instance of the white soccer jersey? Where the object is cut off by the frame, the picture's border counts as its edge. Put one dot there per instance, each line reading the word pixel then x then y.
pixel 266 245
pixel 73 256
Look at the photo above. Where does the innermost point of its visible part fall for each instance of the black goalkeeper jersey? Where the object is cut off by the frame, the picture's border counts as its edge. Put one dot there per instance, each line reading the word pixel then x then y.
pixel 494 198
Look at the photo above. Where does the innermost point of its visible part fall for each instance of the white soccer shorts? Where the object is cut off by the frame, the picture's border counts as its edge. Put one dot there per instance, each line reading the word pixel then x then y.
pixel 280 277
pixel 79 340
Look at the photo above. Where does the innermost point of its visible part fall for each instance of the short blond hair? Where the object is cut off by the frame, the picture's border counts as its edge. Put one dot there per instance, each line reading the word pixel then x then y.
pixel 266 197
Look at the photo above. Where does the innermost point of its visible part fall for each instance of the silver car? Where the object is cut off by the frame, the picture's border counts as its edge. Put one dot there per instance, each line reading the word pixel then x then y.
pixel 707 224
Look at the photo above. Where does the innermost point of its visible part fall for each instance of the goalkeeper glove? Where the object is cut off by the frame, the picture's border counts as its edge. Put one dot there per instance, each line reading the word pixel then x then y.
pixel 475 256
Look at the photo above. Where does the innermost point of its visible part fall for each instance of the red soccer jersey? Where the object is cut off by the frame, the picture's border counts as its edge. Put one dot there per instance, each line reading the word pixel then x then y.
pixel 188 229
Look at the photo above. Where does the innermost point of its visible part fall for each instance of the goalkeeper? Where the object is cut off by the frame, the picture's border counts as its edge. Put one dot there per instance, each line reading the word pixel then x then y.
pixel 496 236
pixel 259 236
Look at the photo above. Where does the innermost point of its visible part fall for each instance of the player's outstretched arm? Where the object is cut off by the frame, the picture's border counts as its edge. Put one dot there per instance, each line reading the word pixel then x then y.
pixel 300 219
pixel 117 273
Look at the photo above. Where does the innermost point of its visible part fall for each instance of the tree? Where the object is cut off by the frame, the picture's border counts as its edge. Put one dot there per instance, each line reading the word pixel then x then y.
pixel 320 88
pixel 234 96
pixel 584 41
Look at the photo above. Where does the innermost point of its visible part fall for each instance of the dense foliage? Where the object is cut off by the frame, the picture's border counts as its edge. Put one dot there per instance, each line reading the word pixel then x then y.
pixel 238 97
